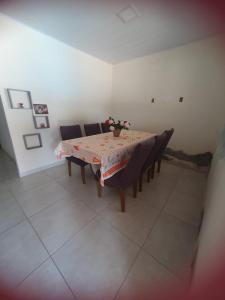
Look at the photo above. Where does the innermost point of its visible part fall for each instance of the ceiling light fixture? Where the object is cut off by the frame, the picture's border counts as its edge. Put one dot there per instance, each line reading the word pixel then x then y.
pixel 128 13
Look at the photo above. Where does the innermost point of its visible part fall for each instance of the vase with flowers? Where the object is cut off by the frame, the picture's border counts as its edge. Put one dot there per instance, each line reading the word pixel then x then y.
pixel 116 127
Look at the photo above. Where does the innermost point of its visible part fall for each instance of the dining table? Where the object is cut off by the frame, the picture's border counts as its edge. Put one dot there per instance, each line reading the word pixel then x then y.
pixel 110 154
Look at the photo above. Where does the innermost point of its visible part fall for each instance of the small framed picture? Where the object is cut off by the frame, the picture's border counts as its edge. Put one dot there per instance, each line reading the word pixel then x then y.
pixel 40 109
pixel 19 99
pixel 32 141
pixel 41 122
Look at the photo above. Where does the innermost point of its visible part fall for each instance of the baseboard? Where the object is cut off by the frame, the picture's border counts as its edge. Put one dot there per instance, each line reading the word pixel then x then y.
pixel 36 170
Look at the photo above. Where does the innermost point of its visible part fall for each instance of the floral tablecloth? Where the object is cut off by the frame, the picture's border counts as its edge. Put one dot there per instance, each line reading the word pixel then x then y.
pixel 111 153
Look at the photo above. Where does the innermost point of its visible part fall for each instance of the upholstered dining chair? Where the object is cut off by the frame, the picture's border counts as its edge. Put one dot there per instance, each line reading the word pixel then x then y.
pixel 68 133
pixel 150 160
pixel 130 174
pixel 92 129
pixel 158 159
pixel 149 165
pixel 105 128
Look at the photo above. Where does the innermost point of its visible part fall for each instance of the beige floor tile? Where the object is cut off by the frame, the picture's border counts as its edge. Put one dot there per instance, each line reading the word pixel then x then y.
pixel 20 253
pixel 155 195
pixel 135 223
pixel 57 172
pixel 96 261
pixel 186 207
pixel 35 200
pixel 172 242
pixel 27 183
pixel 192 183
pixel 10 212
pixel 146 277
pixel 59 222
pixel 88 195
pixel 44 283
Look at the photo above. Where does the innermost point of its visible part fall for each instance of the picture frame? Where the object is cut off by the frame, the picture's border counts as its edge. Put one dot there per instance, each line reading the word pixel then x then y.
pixel 41 122
pixel 40 110
pixel 19 99
pixel 32 141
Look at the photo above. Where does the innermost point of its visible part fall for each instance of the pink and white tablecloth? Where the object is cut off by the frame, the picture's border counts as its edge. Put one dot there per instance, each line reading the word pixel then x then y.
pixel 111 153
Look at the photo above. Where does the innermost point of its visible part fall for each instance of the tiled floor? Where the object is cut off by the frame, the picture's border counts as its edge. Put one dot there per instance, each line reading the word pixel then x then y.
pixel 59 238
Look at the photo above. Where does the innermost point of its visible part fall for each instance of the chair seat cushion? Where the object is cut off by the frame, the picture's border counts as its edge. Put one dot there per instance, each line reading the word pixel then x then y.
pixel 77 161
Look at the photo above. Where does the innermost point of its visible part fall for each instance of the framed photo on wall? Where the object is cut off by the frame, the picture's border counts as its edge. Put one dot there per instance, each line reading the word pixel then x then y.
pixel 19 99
pixel 41 122
pixel 32 141
pixel 40 109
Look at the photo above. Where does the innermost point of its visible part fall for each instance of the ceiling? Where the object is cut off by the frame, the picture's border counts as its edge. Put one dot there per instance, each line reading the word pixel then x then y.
pixel 94 27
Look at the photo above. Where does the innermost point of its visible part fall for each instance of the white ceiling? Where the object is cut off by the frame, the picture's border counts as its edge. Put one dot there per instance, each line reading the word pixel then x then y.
pixel 94 27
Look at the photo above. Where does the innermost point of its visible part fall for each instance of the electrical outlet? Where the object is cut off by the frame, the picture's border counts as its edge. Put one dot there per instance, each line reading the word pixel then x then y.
pixel 181 99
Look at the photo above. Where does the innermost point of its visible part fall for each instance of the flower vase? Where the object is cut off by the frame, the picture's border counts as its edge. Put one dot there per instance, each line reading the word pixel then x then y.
pixel 116 132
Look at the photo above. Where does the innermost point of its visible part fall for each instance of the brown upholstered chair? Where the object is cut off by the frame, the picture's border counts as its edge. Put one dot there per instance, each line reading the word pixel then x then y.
pixel 68 133
pixel 105 128
pixel 92 129
pixel 158 159
pixel 128 176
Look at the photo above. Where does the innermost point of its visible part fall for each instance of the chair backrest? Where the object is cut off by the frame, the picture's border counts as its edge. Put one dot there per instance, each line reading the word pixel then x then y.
pixel 165 138
pixel 132 171
pixel 105 128
pixel 70 132
pixel 152 153
pixel 91 129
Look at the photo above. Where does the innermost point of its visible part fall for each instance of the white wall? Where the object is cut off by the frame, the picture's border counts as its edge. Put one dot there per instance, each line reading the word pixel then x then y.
pixel 196 72
pixel 212 241
pixel 5 138
pixel 75 86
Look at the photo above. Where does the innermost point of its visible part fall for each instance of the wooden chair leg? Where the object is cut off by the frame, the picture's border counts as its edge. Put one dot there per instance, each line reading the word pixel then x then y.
pixel 153 171
pixel 159 165
pixel 135 189
pixel 69 167
pixel 140 183
pixel 99 189
pixel 82 172
pixel 122 200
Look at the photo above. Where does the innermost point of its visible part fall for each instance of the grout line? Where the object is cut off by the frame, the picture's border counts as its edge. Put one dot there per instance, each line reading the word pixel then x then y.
pixel 161 263
pixel 73 294
pixel 180 219
pixel 49 256
pixel 73 236
pixel 97 214
pixel 20 283
pixel 127 274
pixel 142 247
pixel 11 227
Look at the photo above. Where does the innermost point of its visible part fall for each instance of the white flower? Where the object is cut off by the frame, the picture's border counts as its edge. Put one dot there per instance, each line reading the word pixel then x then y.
pixel 111 128
pixel 126 124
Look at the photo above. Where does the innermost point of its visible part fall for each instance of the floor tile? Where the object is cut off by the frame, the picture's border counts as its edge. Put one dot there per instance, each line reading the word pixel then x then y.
pixel 44 283
pixel 155 195
pixel 10 212
pixel 20 253
pixel 172 242
pixel 59 222
pixel 88 195
pixel 27 183
pixel 35 200
pixel 135 223
pixel 186 207
pixel 96 261
pixel 146 277
pixel 192 183
pixel 57 172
